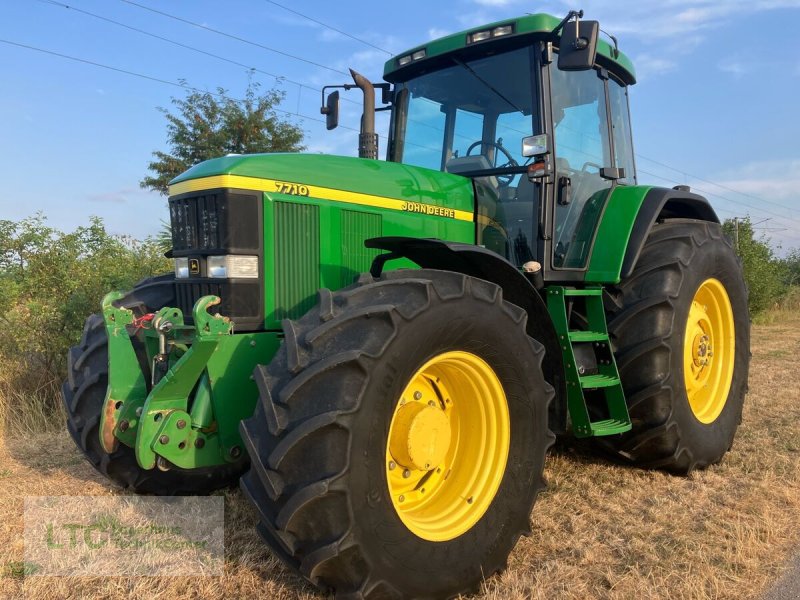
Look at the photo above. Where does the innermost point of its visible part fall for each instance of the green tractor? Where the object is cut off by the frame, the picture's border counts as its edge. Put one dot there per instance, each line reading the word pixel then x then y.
pixel 382 352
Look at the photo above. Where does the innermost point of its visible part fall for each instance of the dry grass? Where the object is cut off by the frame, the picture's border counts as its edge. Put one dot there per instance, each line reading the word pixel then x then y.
pixel 35 410
pixel 600 531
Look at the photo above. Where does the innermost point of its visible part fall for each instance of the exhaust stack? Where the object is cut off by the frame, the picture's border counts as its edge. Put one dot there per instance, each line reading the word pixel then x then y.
pixel 367 139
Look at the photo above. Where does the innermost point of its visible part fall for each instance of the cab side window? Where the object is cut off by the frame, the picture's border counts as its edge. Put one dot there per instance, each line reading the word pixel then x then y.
pixel 621 130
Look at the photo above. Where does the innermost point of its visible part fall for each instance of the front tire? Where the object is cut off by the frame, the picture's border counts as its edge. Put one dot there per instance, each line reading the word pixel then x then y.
pixel 681 332
pixel 351 428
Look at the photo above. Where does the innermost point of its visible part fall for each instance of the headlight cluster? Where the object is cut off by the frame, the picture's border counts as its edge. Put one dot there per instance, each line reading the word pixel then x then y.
pixel 230 266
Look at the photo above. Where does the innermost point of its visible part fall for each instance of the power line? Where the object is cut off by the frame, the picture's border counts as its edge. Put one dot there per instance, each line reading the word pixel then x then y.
pixel 719 185
pixel 246 41
pixel 233 37
pixel 331 27
pixel 187 47
pixel 150 78
pixel 168 82
pixel 716 195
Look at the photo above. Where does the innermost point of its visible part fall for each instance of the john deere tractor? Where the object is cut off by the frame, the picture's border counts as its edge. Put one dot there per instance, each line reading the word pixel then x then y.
pixel 382 352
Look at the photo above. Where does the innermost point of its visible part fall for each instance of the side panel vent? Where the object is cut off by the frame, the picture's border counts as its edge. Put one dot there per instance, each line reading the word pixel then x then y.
pixel 297 259
pixel 357 227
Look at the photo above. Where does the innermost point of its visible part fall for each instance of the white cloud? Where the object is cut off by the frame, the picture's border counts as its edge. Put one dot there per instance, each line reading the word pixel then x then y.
pixel 121 196
pixel 494 2
pixel 668 18
pixel 436 32
pixel 648 66
pixel 734 67
pixel 774 180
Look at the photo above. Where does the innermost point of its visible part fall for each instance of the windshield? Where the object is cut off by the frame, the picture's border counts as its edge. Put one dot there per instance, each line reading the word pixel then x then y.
pixel 468 109
pixel 470 119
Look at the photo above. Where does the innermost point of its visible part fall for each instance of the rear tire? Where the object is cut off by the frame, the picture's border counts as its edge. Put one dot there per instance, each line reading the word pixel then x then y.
pixel 318 438
pixel 84 395
pixel 683 266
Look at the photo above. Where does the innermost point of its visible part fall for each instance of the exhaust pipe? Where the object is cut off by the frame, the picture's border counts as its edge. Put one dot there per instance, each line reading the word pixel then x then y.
pixel 367 139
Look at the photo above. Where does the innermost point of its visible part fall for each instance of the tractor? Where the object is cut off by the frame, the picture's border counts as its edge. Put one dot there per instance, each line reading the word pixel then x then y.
pixel 381 352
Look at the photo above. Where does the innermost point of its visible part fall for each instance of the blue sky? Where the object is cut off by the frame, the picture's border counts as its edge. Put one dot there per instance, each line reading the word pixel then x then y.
pixel 715 106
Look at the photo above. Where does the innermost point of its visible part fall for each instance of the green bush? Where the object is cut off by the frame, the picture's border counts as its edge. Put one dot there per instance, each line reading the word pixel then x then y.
pixel 764 273
pixel 50 281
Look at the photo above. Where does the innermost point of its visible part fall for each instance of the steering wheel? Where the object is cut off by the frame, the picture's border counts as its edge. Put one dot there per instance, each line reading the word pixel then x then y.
pixel 503 180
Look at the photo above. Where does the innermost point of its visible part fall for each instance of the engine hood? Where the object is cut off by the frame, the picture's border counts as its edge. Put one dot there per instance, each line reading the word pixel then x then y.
pixel 348 179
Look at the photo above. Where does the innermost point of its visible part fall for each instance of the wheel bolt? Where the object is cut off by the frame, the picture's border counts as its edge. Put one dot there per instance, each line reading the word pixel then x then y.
pixel 406 473
pixel 392 465
pixel 164 439
pixel 199 443
pixel 123 425
pixel 417 395
pixel 401 498
pixel 236 451
pixel 431 403
pixel 180 424
pixel 139 412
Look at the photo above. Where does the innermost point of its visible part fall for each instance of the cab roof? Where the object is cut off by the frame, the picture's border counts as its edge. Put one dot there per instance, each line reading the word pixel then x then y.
pixel 533 26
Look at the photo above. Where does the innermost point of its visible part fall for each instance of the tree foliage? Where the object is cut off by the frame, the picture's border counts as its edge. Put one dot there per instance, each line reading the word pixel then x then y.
pixel 206 125
pixel 50 281
pixel 764 273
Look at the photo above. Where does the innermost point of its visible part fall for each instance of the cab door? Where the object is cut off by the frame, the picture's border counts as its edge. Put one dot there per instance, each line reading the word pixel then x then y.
pixel 582 147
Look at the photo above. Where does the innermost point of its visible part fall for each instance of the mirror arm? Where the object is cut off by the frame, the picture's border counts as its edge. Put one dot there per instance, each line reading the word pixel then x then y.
pixel 572 14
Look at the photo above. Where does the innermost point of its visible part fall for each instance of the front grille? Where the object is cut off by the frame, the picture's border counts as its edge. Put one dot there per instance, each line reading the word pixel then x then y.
pixel 196 222
pixel 218 222
pixel 242 301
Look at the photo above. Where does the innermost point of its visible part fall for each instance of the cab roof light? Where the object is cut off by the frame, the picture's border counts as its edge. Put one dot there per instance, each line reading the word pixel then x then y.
pixel 418 55
pixel 485 34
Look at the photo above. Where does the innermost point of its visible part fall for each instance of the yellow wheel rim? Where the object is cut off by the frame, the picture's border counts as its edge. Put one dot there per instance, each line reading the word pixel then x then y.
pixel 448 445
pixel 708 351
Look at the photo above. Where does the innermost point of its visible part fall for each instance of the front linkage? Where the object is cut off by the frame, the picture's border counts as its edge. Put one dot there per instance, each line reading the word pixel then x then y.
pixel 180 420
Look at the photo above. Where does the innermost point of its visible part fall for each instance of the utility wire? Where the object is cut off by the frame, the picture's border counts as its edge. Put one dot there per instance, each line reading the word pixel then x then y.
pixel 794 221
pixel 331 27
pixel 233 37
pixel 171 83
pixel 719 185
pixel 187 47
pixel 150 78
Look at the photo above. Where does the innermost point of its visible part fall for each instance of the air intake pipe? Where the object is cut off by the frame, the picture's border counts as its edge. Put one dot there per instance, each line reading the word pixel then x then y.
pixel 367 139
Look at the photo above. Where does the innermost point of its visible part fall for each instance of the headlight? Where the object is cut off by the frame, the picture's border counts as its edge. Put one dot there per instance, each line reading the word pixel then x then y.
pixel 233 266
pixel 181 268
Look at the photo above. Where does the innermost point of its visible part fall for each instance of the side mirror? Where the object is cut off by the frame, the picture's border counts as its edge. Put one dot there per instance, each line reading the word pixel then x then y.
pixel 331 110
pixel 577 47
pixel 534 145
pixel 538 148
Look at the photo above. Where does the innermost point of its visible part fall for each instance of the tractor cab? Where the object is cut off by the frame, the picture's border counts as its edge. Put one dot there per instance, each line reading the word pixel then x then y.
pixel 535 112
pixel 544 137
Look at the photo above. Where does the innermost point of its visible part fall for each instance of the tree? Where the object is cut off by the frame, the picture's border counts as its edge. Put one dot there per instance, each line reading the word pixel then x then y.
pixel 207 125
pixel 764 273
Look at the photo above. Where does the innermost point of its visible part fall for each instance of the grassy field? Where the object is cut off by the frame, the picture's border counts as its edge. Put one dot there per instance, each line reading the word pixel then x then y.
pixel 600 531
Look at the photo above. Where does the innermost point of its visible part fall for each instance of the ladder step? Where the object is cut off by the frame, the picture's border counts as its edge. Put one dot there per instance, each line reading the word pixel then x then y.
pixel 588 336
pixel 586 292
pixel 598 381
pixel 610 427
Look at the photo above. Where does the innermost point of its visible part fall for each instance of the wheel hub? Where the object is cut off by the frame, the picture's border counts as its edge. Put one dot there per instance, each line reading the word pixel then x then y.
pixel 701 350
pixel 447 446
pixel 709 331
pixel 420 436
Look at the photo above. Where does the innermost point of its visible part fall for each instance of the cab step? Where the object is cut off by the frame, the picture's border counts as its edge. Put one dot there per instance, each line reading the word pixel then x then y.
pixel 589 364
